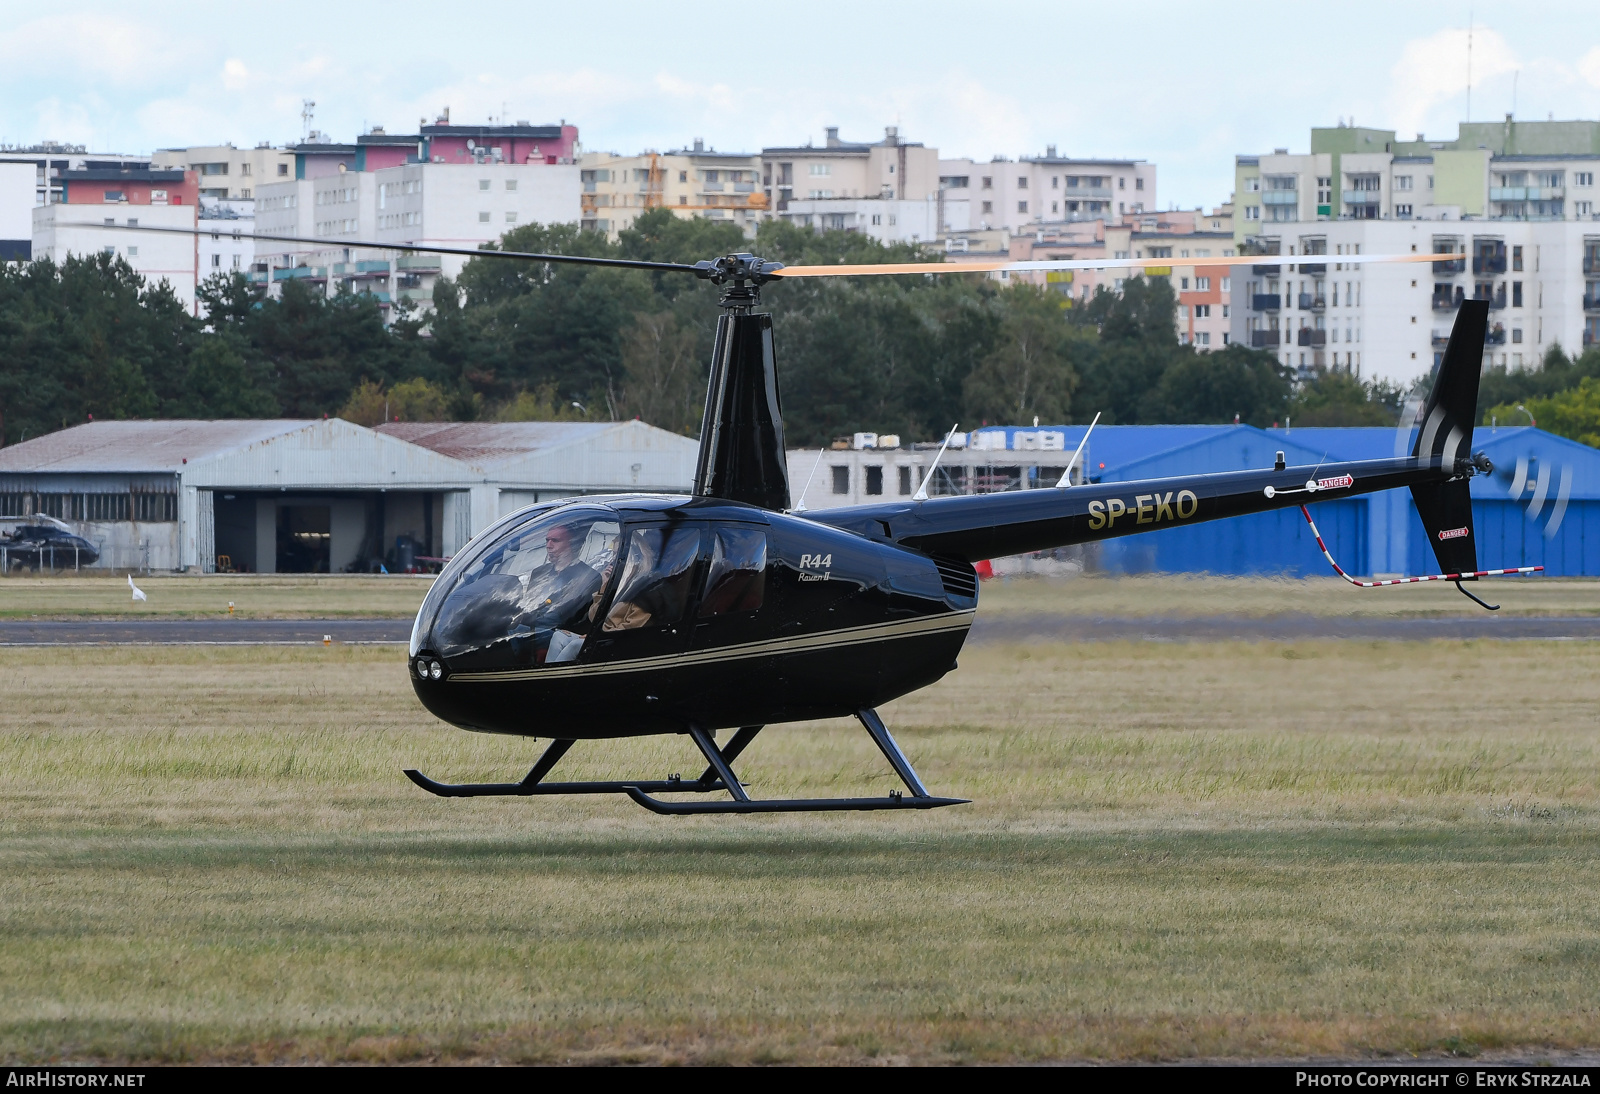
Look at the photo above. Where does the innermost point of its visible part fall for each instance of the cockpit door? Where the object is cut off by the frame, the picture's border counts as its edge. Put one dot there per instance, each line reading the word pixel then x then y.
pixel 647 607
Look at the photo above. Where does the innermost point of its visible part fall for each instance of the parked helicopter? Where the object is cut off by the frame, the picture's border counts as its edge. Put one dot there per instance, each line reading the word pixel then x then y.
pixel 617 616
pixel 44 543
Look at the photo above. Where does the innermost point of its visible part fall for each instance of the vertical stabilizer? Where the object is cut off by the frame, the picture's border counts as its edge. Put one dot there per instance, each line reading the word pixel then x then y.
pixel 1445 440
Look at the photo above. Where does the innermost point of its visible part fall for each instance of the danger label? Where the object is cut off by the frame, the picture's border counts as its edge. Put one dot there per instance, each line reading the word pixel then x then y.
pixel 1454 533
pixel 1338 482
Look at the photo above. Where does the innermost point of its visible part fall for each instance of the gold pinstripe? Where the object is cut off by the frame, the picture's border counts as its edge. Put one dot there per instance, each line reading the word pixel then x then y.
pixel 849 636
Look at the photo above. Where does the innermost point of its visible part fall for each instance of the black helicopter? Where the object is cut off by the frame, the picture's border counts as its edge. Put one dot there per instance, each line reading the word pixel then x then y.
pixel 618 616
pixel 44 543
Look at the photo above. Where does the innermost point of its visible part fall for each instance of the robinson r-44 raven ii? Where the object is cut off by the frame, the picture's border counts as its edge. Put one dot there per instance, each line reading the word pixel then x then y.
pixel 605 617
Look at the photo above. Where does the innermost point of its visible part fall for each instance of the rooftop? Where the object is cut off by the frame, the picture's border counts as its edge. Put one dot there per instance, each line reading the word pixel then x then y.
pixel 485 444
pixel 138 445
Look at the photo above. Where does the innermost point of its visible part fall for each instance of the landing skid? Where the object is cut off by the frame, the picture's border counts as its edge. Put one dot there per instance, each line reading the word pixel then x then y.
pixel 718 775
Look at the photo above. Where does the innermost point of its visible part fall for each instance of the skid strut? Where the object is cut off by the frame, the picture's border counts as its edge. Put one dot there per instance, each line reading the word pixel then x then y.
pixel 717 776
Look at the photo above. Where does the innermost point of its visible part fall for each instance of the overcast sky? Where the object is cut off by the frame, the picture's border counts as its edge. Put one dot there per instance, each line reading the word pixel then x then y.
pixel 1184 85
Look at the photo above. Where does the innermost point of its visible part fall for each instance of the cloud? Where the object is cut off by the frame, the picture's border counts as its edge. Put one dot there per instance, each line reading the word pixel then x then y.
pixel 1433 71
pixel 1589 67
pixel 98 47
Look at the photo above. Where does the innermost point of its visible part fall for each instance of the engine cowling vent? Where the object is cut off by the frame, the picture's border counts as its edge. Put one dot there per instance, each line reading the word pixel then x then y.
pixel 958 577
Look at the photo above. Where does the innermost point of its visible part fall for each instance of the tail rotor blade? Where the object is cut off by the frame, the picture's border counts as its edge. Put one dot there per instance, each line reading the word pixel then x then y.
pixel 1563 492
pixel 1541 490
pixel 1519 482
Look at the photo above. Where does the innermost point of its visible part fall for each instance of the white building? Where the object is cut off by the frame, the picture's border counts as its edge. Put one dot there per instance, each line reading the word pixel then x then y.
pixel 1014 194
pixel 17 190
pixel 884 219
pixel 424 204
pixel 225 249
pixel 63 229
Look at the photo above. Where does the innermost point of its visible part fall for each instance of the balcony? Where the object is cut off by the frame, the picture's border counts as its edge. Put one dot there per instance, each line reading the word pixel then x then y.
pixel 1447 301
pixel 1313 268
pixel 1087 193
pixel 1527 193
pixel 1280 197
pixel 301 273
pixel 1489 263
pixel 417 262
pixel 1441 339
pixel 1360 197
pixel 1451 266
pixel 1495 337
pixel 1591 264
pixel 1312 303
pixel 1496 302
pixel 1306 336
pixel 1266 301
pixel 1266 271
pixel 1591 303
pixel 1262 338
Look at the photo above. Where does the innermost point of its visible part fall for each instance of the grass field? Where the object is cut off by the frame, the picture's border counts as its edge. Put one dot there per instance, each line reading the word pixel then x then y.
pixel 1175 851
pixel 293 596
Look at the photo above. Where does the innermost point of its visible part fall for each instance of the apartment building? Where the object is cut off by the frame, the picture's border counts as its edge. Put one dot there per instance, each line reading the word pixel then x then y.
pixel 692 182
pixel 95 202
pixel 894 169
pixel 386 189
pixel 1047 189
pixel 226 172
pixel 884 219
pixel 1187 237
pixel 1513 198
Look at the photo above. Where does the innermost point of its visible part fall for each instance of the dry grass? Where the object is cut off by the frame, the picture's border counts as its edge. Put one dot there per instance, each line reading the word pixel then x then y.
pixel 308 596
pixel 1173 595
pixel 1176 851
pixel 254 596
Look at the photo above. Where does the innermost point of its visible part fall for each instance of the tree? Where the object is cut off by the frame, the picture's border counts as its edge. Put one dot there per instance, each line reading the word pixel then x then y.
pixel 1029 372
pixel 1233 384
pixel 664 383
pixel 1574 413
pixel 1337 398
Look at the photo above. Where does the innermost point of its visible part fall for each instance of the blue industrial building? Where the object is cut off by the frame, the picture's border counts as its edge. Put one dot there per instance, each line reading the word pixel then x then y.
pixel 1541 507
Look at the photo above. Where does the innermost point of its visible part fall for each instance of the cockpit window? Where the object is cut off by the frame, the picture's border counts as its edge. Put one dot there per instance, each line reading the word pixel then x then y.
pixel 654 588
pixel 530 598
pixel 737 581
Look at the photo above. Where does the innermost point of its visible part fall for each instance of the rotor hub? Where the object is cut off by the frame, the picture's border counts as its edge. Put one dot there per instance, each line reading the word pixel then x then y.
pixel 742 276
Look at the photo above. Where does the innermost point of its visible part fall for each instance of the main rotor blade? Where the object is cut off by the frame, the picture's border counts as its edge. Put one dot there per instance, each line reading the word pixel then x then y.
pixel 993 266
pixel 416 248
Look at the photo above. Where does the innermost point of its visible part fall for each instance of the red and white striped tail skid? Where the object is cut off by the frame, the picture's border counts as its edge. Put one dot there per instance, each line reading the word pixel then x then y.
pixel 1406 580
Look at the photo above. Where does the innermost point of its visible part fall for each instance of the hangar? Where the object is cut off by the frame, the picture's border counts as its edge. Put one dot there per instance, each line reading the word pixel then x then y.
pixel 317 496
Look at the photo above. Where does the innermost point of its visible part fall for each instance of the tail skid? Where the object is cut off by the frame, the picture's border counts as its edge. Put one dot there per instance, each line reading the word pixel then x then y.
pixel 1457 578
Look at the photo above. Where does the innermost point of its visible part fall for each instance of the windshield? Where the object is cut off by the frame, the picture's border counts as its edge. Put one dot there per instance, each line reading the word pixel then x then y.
pixel 530 596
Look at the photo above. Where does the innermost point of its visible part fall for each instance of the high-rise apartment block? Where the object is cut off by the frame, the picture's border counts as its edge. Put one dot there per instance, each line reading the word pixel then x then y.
pixel 1517 200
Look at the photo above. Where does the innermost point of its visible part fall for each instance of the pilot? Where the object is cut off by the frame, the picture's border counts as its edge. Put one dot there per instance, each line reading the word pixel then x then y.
pixel 562 589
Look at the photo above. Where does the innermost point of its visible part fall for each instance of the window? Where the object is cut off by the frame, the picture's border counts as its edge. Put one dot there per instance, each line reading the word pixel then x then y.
pixel 1583 208
pixel 1022 182
pixel 133 252
pixel 283 168
pixel 820 169
pixel 874 479
pixel 1055 182
pixel 511 184
pixel 236 261
pixel 1183 311
pixel 511 218
pixel 1022 207
pixel 1202 311
pixel 1055 206
pixel 216 262
pixel 527 598
pixel 683 176
pixel 905 481
pixel 483 218
pixel 988 183
pixel 1402 210
pixel 1122 183
pixel 113 196
pixel 654 588
pixel 1583 178
pixel 1227 284
pixel 1402 182
pixel 1516 335
pixel 737 580
pixel 483 184
pixel 1252 185
pixel 841 479
pixel 1138 184
pixel 1224 315
pixel 1516 292
pixel 1202 284
pixel 1324 192
pixel 1183 282
pixel 245 193
pixel 1202 338
pixel 988 207
pixel 1516 259
pixel 1252 212
pixel 110 250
